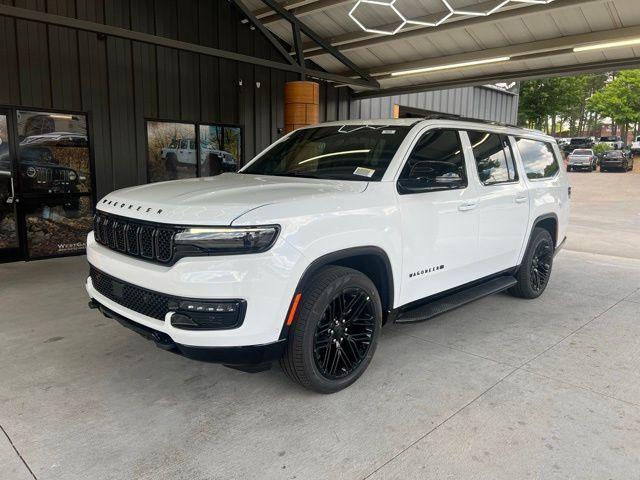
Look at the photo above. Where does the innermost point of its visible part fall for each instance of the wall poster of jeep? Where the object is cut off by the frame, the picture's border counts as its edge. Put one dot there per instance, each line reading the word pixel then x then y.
pixel 173 153
pixel 55 179
pixel 8 226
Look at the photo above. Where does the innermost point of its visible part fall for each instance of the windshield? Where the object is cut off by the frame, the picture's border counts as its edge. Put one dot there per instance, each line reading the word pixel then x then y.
pixel 347 152
pixel 579 140
pixel 617 154
pixel 582 152
pixel 608 139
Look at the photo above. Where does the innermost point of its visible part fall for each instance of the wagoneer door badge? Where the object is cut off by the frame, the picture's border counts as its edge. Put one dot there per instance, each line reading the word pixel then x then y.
pixel 426 270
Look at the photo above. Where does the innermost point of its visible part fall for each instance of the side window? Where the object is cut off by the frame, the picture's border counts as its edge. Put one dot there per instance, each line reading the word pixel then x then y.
pixel 493 158
pixel 538 158
pixel 436 163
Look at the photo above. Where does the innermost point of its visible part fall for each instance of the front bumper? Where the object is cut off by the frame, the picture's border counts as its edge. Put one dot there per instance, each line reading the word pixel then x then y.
pixel 247 358
pixel 265 281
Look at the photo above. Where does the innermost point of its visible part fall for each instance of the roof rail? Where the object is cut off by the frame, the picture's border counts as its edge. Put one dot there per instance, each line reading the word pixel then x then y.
pixel 453 116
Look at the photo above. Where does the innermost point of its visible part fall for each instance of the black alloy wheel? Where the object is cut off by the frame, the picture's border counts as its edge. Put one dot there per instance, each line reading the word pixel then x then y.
pixel 535 270
pixel 540 269
pixel 343 336
pixel 335 330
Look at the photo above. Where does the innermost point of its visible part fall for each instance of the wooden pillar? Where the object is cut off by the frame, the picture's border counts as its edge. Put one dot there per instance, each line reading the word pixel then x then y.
pixel 301 104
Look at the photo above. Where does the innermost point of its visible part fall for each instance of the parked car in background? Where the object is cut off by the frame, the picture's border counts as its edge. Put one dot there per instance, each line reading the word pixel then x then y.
pixel 582 159
pixel 635 146
pixel 613 142
pixel 325 236
pixel 616 160
pixel 578 142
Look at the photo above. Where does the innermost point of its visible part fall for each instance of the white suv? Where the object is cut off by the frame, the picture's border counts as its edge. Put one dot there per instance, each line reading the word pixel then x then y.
pixel 332 231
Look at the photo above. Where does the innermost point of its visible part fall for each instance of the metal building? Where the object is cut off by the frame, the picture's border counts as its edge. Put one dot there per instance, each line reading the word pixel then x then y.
pixel 483 102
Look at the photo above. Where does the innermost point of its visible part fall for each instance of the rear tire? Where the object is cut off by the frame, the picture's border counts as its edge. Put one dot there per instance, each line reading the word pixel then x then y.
pixel 335 334
pixel 535 270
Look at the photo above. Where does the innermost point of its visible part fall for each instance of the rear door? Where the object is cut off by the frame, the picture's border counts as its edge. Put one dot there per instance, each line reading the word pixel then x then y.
pixel 503 202
pixel 439 218
pixel 546 179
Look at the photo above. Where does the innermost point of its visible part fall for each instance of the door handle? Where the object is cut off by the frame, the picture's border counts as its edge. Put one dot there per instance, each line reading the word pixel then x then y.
pixel 469 205
pixel 522 199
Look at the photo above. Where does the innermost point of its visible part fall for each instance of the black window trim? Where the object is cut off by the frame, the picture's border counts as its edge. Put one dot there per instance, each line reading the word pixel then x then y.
pixel 553 151
pixel 412 148
pixel 513 158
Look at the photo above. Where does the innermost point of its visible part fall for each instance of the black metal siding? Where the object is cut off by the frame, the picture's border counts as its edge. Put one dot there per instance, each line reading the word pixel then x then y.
pixel 121 82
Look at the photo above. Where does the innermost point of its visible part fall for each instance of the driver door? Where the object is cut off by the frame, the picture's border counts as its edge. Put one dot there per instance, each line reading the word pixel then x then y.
pixel 439 219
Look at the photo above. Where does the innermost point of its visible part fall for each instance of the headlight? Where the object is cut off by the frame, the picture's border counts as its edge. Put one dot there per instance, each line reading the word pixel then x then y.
pixel 228 240
pixel 72 176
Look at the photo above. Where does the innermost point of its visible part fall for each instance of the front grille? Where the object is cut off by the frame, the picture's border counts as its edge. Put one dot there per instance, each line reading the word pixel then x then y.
pixel 200 314
pixel 139 239
pixel 146 302
pixel 44 175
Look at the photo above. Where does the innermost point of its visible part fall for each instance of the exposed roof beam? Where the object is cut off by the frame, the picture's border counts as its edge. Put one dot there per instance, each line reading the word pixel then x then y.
pixel 359 39
pixel 136 36
pixel 306 9
pixel 266 32
pixel 521 51
pixel 515 76
pixel 293 20
pixel 286 4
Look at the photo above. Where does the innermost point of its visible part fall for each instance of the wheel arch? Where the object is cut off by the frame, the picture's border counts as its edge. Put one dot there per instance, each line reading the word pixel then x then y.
pixel 548 221
pixel 369 260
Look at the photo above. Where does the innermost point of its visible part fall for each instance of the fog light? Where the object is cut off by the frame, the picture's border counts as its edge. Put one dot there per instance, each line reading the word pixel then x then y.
pixel 211 315
pixel 208 307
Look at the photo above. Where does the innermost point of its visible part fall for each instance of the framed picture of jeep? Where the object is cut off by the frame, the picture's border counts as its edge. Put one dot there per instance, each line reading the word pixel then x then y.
pixel 178 150
pixel 54 178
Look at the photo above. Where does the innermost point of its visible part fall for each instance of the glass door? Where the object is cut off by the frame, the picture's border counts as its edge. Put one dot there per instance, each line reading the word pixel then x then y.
pixel 9 238
pixel 54 170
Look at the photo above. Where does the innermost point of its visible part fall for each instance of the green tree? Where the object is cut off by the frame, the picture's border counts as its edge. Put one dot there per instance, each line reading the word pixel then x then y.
pixel 549 102
pixel 619 100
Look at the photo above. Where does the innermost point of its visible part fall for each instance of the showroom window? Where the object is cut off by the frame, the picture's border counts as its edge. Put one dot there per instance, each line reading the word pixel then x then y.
pixel 178 150
pixel 538 158
pixel 493 158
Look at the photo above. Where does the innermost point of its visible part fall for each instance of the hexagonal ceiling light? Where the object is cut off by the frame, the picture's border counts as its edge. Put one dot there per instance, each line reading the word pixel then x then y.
pixel 384 6
pixel 452 7
pixel 484 9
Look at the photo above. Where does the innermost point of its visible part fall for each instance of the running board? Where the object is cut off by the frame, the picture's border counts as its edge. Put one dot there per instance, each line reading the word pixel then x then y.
pixel 455 300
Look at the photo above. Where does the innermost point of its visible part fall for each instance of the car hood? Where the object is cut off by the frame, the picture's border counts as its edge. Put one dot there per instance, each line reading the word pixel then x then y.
pixel 217 200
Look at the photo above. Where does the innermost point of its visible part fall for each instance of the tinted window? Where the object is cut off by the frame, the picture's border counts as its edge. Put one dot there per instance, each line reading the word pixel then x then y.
pixel 346 152
pixel 437 161
pixel 493 158
pixel 538 158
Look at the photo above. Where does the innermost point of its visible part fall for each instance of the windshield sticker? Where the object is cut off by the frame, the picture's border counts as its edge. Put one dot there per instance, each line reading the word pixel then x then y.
pixel 364 172
pixel 388 132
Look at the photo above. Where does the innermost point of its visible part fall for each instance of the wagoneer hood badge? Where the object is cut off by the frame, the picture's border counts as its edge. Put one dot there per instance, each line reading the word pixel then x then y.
pixel 216 200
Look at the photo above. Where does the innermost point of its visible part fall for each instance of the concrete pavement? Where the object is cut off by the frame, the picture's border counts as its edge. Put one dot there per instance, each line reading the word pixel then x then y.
pixel 500 389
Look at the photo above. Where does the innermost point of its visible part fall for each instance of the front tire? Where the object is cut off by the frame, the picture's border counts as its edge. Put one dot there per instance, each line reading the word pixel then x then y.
pixel 535 270
pixel 336 331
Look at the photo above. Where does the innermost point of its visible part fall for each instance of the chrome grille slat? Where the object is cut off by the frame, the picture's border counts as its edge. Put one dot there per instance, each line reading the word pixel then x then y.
pixel 135 238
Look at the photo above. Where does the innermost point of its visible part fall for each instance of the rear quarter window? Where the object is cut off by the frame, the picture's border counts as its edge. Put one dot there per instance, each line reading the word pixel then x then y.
pixel 538 158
